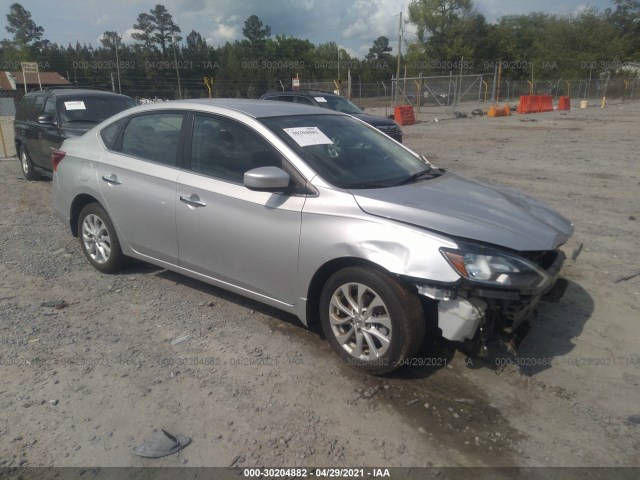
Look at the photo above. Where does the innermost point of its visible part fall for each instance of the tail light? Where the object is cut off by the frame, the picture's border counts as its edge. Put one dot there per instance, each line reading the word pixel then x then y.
pixel 56 158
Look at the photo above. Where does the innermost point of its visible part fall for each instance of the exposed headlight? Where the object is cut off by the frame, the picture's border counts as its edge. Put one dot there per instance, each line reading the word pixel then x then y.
pixel 496 268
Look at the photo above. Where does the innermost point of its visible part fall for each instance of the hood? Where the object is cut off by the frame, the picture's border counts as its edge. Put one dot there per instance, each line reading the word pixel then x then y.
pixel 461 207
pixel 375 121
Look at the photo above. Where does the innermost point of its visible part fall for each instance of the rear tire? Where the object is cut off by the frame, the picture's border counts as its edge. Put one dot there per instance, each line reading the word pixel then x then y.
pixel 371 320
pixel 27 165
pixel 98 239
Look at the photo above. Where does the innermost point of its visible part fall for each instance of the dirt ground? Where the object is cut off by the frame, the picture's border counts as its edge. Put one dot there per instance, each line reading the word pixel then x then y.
pixel 86 380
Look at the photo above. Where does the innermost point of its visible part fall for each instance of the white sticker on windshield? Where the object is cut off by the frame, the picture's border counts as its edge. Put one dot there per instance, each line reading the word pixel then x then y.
pixel 77 105
pixel 320 99
pixel 305 136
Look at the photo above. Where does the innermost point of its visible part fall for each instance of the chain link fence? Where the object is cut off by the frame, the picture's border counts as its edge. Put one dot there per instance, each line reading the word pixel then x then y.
pixel 440 96
pixel 446 95
pixel 8 100
pixel 616 91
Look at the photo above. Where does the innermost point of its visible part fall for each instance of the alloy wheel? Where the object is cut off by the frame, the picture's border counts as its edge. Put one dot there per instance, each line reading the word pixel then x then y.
pixel 360 321
pixel 95 238
pixel 24 161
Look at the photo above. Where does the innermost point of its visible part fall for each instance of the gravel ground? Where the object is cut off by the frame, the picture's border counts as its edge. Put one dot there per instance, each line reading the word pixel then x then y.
pixel 92 364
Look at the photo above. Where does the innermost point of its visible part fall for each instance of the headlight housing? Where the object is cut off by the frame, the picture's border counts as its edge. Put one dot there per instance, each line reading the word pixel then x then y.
pixel 496 268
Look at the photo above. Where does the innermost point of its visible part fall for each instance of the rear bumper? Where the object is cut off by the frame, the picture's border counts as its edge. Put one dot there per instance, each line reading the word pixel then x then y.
pixel 60 206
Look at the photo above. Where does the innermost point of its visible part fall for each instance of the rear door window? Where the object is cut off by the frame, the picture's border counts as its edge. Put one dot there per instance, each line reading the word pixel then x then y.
pixel 22 112
pixel 50 108
pixel 38 106
pixel 154 136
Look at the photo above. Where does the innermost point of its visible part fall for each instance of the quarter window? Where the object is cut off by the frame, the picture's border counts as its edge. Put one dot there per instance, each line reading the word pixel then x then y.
pixel 50 108
pixel 109 133
pixel 153 137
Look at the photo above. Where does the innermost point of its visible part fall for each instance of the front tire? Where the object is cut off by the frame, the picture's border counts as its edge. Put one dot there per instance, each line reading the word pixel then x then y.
pixel 27 165
pixel 98 239
pixel 370 320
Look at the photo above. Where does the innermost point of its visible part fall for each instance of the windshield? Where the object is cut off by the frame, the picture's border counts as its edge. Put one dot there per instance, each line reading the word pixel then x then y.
pixel 345 152
pixel 87 109
pixel 337 104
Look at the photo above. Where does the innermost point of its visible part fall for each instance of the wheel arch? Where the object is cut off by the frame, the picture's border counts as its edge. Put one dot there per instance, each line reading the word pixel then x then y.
pixel 322 275
pixel 77 205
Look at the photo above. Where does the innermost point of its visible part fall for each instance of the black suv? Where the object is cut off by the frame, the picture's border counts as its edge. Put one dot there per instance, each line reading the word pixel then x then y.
pixel 45 118
pixel 339 104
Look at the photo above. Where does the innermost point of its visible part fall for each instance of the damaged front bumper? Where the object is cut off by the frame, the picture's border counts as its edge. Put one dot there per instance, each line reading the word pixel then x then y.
pixel 472 313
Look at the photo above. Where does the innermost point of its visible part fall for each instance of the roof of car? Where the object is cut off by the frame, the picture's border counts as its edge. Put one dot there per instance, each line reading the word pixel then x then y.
pixel 310 93
pixel 75 91
pixel 253 108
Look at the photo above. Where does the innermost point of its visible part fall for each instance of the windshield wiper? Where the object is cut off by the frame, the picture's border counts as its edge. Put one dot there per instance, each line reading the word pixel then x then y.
pixel 426 174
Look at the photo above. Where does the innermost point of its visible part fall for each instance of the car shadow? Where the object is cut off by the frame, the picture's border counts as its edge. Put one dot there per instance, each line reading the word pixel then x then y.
pixel 434 354
pixel 553 328
pixel 226 295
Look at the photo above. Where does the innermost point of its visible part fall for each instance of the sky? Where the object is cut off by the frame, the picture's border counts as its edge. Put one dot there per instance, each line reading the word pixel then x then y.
pixel 352 24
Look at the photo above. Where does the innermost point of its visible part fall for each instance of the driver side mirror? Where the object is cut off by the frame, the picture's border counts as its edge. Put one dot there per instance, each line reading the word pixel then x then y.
pixel 267 179
pixel 46 120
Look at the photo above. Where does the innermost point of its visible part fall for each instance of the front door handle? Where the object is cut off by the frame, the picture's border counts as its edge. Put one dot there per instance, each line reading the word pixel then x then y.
pixel 193 200
pixel 112 179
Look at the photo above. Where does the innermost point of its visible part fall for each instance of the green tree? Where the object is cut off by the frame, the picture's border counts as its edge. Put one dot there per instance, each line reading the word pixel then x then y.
pixel 573 45
pixel 110 39
pixel 290 56
pixel 331 61
pixel 553 47
pixel 437 24
pixel 144 31
pixel 471 39
pixel 253 30
pixel 196 52
pixel 517 42
pixel 379 62
pixel 195 43
pixel 21 25
pixel 10 55
pixel 379 50
pixel 156 29
pixel 625 18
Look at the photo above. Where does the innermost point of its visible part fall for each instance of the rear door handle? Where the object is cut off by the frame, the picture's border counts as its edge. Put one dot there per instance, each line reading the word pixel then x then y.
pixel 193 200
pixel 112 179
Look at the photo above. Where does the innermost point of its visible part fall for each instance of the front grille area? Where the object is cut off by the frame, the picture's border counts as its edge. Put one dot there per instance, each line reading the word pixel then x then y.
pixel 389 129
pixel 543 258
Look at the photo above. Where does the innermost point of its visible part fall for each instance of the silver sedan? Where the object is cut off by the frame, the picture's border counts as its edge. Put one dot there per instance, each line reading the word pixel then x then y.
pixel 315 213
